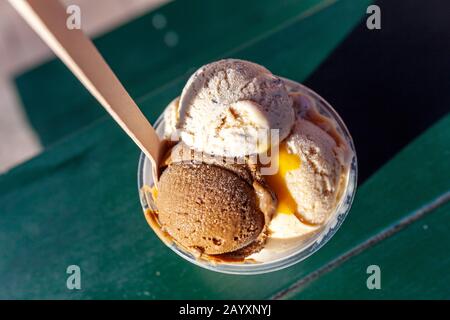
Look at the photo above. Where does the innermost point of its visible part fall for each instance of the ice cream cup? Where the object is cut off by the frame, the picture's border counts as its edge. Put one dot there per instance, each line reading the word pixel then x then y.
pixel 285 256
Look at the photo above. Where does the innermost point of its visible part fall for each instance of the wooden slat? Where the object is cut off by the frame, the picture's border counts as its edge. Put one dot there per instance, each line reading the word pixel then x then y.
pixel 103 230
pixel 413 264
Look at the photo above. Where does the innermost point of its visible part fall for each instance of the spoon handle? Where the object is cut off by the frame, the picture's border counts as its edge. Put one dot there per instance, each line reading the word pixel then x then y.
pixel 48 18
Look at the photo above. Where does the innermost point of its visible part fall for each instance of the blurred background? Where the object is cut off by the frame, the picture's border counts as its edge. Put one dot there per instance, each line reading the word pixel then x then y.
pixel 21 49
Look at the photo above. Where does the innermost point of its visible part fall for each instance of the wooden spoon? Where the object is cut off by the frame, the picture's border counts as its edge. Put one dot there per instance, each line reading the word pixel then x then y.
pixel 48 18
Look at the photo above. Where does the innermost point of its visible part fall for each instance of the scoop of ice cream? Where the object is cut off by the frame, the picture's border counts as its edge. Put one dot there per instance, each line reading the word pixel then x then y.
pixel 208 207
pixel 170 120
pixel 314 184
pixel 228 106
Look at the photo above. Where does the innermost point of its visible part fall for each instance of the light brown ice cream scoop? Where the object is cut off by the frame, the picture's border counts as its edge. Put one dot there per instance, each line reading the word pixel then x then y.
pixel 208 208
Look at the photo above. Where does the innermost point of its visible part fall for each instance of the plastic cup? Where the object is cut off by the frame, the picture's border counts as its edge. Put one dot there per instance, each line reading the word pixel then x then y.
pixel 284 257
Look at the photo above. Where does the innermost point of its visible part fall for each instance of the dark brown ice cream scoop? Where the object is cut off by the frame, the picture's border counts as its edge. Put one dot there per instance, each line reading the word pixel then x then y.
pixel 208 207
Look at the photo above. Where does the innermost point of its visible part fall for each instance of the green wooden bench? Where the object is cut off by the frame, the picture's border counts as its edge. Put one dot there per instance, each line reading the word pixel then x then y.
pixel 77 203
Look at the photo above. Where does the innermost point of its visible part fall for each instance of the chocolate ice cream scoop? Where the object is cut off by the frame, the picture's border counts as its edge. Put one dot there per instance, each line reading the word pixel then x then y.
pixel 209 208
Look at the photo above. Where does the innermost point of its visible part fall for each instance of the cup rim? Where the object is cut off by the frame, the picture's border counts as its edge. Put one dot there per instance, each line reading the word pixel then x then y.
pixel 312 246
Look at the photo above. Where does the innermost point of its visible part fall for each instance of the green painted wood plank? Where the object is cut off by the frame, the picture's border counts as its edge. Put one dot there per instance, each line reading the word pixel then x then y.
pixel 414 264
pixel 78 204
pixel 57 104
pixel 416 176
pixel 121 258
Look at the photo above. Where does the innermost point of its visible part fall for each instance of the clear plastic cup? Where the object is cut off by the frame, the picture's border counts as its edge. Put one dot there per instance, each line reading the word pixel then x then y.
pixel 285 258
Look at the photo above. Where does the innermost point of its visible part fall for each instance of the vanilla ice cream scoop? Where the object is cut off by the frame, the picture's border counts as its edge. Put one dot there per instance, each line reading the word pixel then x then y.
pixel 171 119
pixel 314 185
pixel 228 106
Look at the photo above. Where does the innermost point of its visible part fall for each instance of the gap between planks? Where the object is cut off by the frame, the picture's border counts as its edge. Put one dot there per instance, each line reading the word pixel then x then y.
pixel 372 241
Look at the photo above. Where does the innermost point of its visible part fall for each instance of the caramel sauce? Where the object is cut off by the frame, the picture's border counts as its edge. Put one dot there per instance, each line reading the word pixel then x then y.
pixel 326 125
pixel 152 219
pixel 226 258
pixel 286 162
pixel 154 192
